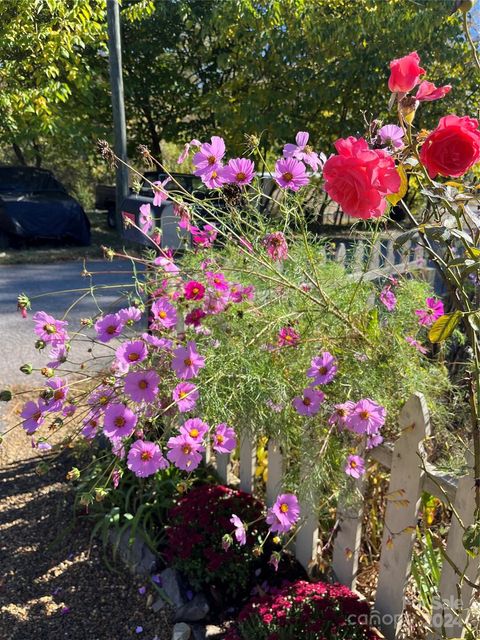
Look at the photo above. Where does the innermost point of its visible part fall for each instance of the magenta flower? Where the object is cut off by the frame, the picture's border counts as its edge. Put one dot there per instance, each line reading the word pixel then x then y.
pixel 185 396
pixel 159 193
pixel 302 151
pixel 184 452
pixel 309 403
pixel 240 532
pixel 355 466
pixel 145 458
pixel 374 441
pixel 142 385
pixel 213 179
pixel 367 417
pixel 391 135
pixel 49 330
pixel 194 317
pixel 187 362
pixel 183 213
pixel 224 439
pixel 290 174
pixel 239 293
pixel 341 413
pixel 415 343
pixel 427 91
pixel 194 290
pixel 195 429
pixel 129 315
pixel 204 237
pixel 276 246
pixel 323 368
pixel 288 337
pixel 119 421
pixel 387 298
pixel 145 218
pixel 101 396
pixel 239 171
pixel 109 327
pixel 284 513
pixel 434 310
pixel 164 314
pixel 131 352
pixel 210 156
pixel 59 397
pixel 33 415
pixel 217 280
pixel 183 156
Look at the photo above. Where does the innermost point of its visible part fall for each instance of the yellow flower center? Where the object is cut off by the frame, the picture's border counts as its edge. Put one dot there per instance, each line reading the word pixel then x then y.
pixel 307 402
pixel 211 160
pixel 186 449
pixel 187 362
pixel 146 455
pixel 119 421
pixel 287 176
pixel 50 328
pixel 353 464
pixel 163 314
pixel 133 357
pixel 194 433
pixel 364 415
pixel 111 329
pixel 220 439
pixel 143 384
pixel 284 507
pixel 241 176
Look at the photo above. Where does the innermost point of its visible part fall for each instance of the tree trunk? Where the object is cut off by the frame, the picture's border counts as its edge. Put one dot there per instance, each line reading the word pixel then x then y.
pixel 152 129
pixel 19 154
pixel 38 155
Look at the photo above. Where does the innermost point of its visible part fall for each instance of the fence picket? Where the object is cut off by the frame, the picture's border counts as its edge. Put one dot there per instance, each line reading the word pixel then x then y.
pixel 222 462
pixel 275 472
pixel 346 549
pixel 341 253
pixel 357 263
pixel 247 464
pixel 455 599
pixel 401 514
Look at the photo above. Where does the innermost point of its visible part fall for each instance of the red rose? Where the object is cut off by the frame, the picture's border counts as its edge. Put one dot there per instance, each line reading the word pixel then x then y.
pixel 405 73
pixel 359 178
pixel 452 148
pixel 427 91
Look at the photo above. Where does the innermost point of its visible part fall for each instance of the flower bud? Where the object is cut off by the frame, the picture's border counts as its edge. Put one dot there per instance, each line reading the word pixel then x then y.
pixel 26 369
pixel 408 106
pixel 226 542
pixel 86 499
pixel 48 372
pixel 100 494
pixel 40 344
pixel 73 474
pixel 5 395
pixel 86 322
pixel 181 487
pixel 276 540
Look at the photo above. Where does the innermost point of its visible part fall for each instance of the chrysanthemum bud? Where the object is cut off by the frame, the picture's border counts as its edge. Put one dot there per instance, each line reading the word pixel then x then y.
pixel 5 395
pixel 26 369
pixel 73 474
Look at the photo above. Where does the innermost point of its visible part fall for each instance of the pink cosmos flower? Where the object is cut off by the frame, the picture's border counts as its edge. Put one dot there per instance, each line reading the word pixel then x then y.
pixel 434 310
pixel 183 156
pixel 109 327
pixel 290 174
pixel 427 91
pixel 194 317
pixel 276 246
pixel 209 157
pixel 101 396
pixel 341 413
pixel 213 179
pixel 145 218
pixel 387 298
pixel 216 301
pixel 118 448
pixel 374 441
pixel 323 368
pixel 185 453
pixel 142 385
pixel 50 330
pixel 239 293
pixel 367 417
pixel 131 352
pixel 119 421
pixel 284 513
pixel 90 425
pixel 224 439
pixel 195 429
pixel 309 403
pixel 129 315
pixel 355 466
pixel 164 314
pixel 288 337
pixel 194 290
pixel 158 343
pixel 187 362
pixel 159 193
pixel 33 415
pixel 60 393
pixel 240 532
pixel 302 151
pixel 239 171
pixel 183 213
pixel 167 264
pixel 145 458
pixel 204 237
pixel 59 354
pixel 414 343
pixel 185 396
pixel 217 280
pixel 391 135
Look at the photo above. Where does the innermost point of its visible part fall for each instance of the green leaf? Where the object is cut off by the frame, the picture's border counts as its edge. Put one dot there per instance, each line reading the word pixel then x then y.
pixel 444 326
pixel 471 540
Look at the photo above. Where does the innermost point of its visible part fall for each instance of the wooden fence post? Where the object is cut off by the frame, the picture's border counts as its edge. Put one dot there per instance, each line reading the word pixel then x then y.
pixel 306 539
pixel 247 464
pixel 451 609
pixel 222 462
pixel 403 500
pixel 275 472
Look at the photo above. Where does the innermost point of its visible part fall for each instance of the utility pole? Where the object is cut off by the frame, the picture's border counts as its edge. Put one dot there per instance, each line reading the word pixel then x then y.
pixel 116 81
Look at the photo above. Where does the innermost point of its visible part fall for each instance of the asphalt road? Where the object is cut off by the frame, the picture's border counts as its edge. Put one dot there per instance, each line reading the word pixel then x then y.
pixel 16 334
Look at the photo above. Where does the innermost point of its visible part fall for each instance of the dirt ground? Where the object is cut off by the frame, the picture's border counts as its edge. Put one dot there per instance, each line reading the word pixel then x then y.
pixel 53 584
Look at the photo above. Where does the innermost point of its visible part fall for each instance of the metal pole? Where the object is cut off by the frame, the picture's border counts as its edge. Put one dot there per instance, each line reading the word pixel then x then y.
pixel 116 81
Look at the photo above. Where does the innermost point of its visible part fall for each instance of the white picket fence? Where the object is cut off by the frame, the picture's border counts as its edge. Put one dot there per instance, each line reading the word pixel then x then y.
pixel 407 481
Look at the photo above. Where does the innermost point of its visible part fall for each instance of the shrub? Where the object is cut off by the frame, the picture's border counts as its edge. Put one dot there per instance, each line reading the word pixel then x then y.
pixel 198 523
pixel 304 610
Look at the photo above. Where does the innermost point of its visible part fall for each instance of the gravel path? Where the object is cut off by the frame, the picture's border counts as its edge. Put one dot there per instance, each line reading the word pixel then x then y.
pixel 53 586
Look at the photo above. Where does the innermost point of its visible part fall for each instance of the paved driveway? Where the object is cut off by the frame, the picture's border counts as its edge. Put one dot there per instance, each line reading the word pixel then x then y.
pixel 16 334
